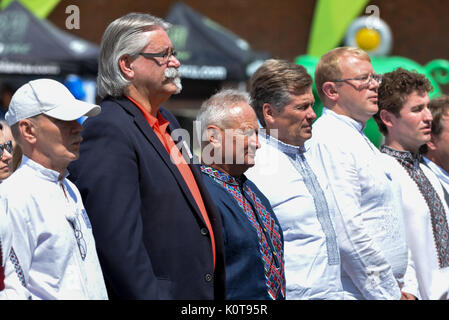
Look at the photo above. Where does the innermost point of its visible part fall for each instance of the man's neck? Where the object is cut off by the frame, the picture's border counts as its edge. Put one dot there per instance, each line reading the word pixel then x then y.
pixel 394 144
pixel 232 170
pixel 147 101
pixel 344 112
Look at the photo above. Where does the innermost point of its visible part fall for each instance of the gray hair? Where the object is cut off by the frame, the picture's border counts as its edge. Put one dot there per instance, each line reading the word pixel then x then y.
pixel 274 82
pixel 215 110
pixel 125 35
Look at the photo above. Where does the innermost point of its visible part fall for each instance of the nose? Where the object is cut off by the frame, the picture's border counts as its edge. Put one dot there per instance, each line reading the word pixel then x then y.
pixel 427 115
pixel 6 156
pixel 374 84
pixel 311 115
pixel 173 62
pixel 253 140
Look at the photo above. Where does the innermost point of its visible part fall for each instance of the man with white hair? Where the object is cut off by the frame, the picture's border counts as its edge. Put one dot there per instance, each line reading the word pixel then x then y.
pixel 158 232
pixel 53 246
pixel 254 241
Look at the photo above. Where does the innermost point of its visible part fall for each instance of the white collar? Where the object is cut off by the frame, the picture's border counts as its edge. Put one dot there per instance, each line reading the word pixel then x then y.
pixel 45 173
pixel 281 146
pixel 440 172
pixel 359 126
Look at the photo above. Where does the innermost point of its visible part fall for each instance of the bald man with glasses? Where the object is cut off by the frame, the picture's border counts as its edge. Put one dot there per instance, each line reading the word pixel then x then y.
pixel 369 219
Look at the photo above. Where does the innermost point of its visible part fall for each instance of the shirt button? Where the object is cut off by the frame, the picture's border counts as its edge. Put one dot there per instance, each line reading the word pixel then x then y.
pixel 208 277
pixel 204 231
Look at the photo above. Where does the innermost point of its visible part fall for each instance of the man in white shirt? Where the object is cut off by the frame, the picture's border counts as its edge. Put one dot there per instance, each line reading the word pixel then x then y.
pixel 283 100
pixel 369 222
pixel 436 151
pixel 52 235
pixel 405 120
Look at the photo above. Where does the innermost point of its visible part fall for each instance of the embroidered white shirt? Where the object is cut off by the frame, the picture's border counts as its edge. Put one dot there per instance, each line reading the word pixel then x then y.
pixel 420 233
pixel 312 260
pixel 370 227
pixel 46 216
pixel 13 289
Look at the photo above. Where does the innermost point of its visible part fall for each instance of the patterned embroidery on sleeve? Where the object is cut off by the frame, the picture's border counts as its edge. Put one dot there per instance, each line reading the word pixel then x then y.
pixel 17 267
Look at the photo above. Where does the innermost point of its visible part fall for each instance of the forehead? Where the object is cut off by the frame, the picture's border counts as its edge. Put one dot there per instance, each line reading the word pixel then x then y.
pixel 415 99
pixel 158 39
pixel 306 97
pixel 242 115
pixel 353 65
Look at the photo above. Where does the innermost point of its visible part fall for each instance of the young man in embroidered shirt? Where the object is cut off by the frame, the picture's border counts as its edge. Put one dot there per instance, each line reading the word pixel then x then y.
pixel 253 237
pixel 405 120
pixel 369 218
pixel 53 243
pixel 281 93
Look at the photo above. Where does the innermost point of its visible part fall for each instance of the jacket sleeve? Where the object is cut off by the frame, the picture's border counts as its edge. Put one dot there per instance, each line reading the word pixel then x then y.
pixel 107 176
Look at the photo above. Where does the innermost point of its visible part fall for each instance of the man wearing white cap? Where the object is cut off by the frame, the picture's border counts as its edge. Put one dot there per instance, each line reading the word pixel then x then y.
pixel 52 235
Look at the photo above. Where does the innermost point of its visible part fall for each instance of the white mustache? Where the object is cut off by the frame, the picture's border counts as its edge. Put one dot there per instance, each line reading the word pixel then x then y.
pixel 171 73
pixel 174 75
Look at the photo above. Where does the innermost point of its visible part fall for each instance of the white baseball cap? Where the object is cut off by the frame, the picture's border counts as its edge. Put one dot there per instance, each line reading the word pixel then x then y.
pixel 49 97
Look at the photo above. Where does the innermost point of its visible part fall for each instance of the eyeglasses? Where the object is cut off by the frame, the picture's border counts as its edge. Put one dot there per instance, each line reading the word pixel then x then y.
pixel 165 55
pixel 366 80
pixel 7 145
pixel 82 246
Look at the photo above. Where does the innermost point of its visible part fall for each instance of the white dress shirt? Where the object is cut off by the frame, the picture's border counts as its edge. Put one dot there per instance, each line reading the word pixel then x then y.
pixel 13 289
pixel 420 233
pixel 441 174
pixel 46 216
pixel 370 226
pixel 312 260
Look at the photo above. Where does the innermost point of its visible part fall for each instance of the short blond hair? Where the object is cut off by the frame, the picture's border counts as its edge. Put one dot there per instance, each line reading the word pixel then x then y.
pixel 329 66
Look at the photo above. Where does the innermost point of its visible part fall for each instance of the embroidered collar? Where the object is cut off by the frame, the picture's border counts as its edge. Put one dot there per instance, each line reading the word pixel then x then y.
pixel 283 147
pixel 404 156
pixel 224 177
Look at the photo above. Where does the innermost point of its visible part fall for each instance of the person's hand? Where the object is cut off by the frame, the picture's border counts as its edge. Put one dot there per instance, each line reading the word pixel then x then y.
pixel 407 296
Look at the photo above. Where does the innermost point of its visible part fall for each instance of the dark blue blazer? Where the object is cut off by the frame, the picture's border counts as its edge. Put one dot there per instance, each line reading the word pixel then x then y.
pixel 245 275
pixel 151 239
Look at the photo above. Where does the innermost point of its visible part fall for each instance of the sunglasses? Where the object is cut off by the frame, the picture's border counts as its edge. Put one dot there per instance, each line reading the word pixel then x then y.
pixel 7 145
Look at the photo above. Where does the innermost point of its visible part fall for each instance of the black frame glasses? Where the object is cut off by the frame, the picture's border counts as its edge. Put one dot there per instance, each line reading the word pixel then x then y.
pixel 7 145
pixel 166 55
pixel 367 79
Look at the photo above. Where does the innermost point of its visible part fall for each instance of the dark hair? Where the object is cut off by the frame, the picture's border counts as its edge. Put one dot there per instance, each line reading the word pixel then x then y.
pixel 274 82
pixel 394 90
pixel 438 107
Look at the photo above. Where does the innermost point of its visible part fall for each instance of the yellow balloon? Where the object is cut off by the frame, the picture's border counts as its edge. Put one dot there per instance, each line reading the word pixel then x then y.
pixel 367 39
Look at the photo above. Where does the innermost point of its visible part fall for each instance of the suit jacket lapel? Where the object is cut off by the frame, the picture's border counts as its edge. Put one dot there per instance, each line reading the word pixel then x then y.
pixel 148 132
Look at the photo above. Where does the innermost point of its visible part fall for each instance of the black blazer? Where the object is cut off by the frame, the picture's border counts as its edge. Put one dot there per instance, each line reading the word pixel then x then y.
pixel 151 239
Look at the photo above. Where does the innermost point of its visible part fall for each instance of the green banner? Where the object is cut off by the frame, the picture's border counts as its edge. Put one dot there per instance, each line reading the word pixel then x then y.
pixel 40 8
pixel 330 21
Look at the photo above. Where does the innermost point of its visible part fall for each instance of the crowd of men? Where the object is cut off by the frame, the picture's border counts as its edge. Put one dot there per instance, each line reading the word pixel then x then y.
pixel 281 206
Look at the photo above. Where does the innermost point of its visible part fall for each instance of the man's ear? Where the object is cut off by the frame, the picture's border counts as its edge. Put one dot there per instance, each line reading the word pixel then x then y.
pixel 213 135
pixel 387 118
pixel 125 64
pixel 269 114
pixel 27 128
pixel 330 90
